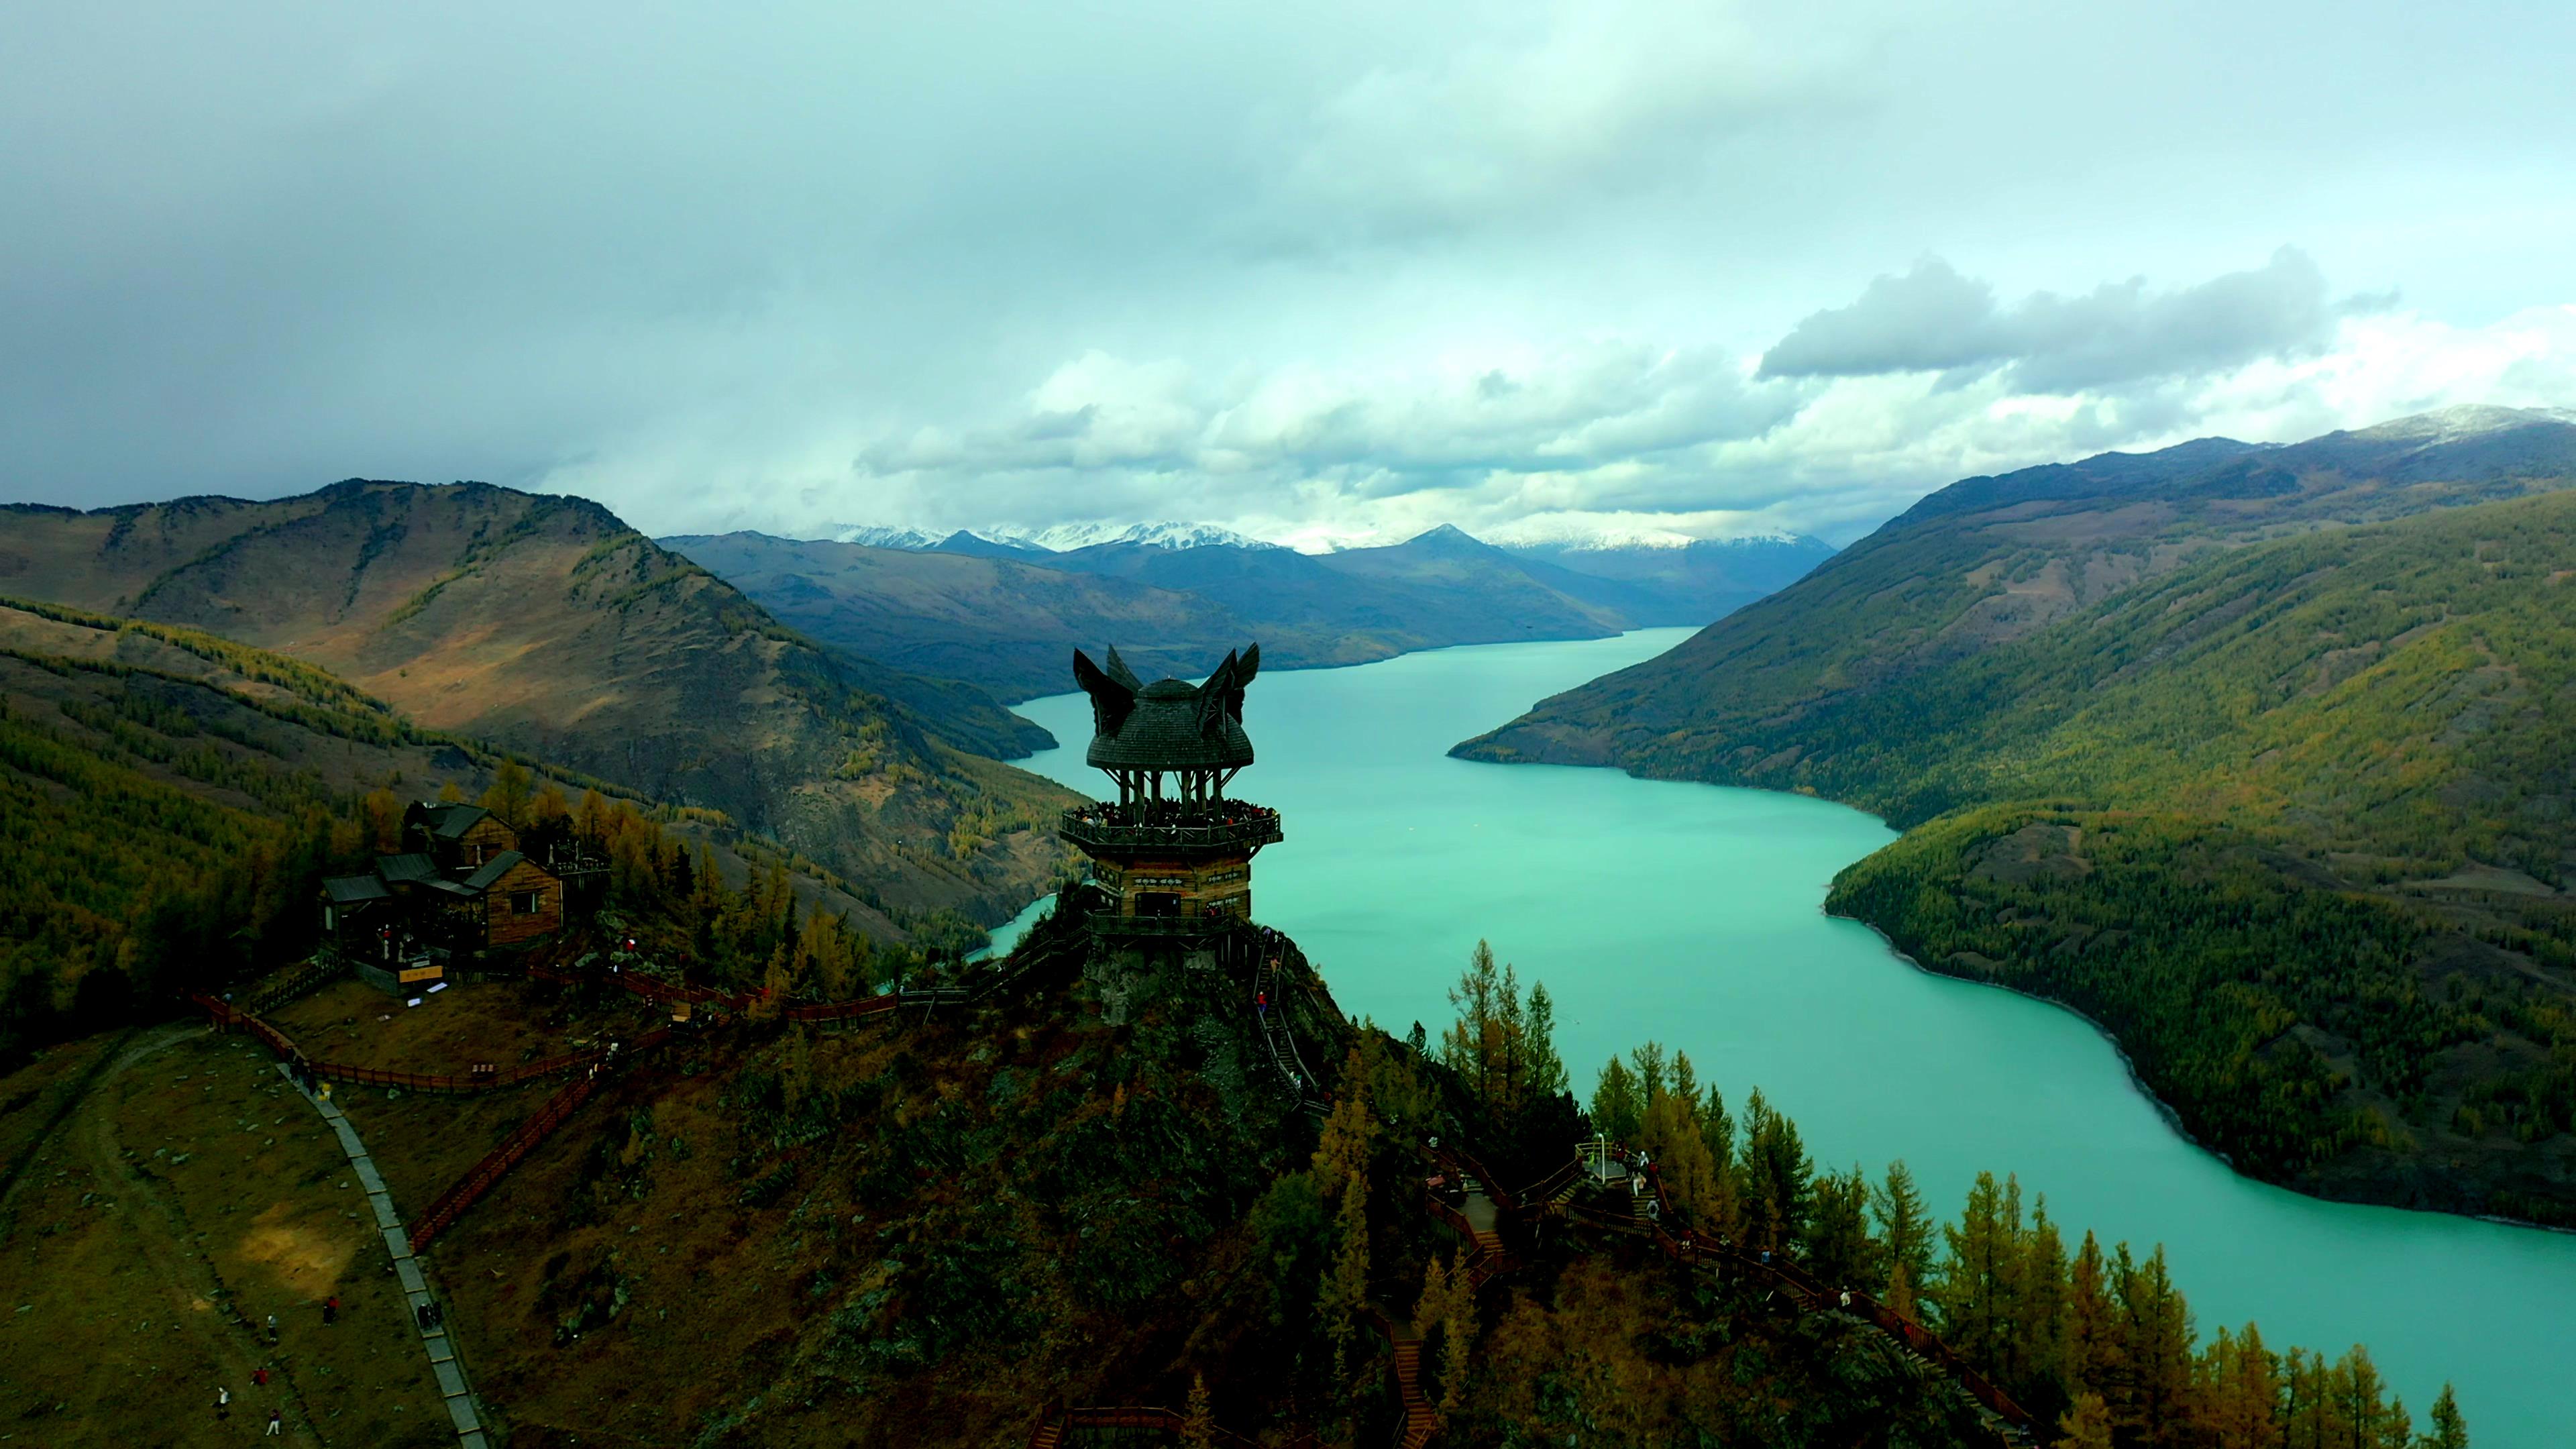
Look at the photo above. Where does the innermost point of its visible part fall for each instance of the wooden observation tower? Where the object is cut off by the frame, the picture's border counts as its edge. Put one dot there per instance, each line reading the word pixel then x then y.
pixel 1172 854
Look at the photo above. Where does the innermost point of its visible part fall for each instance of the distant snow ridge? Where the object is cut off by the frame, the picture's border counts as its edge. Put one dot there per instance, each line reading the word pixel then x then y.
pixel 2467 420
pixel 1065 537
pixel 878 536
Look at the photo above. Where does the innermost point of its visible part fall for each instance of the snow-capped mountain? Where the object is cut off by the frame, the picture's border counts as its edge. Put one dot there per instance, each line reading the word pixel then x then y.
pixel 878 536
pixel 1066 537
pixel 1056 538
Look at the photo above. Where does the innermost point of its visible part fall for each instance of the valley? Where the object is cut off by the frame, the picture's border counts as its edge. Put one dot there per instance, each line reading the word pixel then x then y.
pixel 1006 616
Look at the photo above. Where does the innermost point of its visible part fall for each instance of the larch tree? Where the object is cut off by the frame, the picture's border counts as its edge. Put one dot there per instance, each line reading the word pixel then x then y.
pixel 2445 1428
pixel 1340 1169
pixel 2085 1425
pixel 1198 1425
pixel 2236 1389
pixel 2155 1343
pixel 1904 1229
pixel 2089 1356
pixel 1546 1070
pixel 1971 1293
pixel 2036 1368
pixel 1839 1249
pixel 512 789
pixel 1618 1109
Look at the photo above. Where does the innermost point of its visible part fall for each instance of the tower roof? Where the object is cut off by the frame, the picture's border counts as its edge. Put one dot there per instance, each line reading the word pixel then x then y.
pixel 1170 724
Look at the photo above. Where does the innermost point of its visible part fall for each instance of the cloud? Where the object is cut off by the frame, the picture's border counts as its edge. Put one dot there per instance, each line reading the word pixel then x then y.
pixel 1560 107
pixel 1934 319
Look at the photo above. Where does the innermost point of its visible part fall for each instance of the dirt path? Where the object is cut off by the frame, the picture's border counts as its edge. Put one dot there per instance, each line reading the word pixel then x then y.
pixel 185 1274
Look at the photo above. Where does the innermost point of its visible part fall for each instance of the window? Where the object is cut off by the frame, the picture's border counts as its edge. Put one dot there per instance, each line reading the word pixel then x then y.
pixel 527 903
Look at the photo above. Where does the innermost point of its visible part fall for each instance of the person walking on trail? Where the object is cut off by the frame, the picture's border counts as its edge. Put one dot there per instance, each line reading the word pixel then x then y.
pixel 331 1310
pixel 1847 1298
pixel 259 1378
pixel 223 1402
pixel 272 1328
pixel 276 1424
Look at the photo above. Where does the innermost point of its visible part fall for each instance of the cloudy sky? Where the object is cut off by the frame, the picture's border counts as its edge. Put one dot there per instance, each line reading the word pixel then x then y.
pixel 1318 271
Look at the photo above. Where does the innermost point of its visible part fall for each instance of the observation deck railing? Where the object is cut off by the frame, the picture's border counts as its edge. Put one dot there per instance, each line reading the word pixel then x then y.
pixel 1110 923
pixel 1223 825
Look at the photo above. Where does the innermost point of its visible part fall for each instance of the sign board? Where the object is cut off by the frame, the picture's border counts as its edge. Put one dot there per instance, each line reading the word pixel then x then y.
pixel 411 974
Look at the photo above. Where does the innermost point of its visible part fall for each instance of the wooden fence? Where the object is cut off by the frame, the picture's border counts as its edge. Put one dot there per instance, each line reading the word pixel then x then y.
pixel 497 1163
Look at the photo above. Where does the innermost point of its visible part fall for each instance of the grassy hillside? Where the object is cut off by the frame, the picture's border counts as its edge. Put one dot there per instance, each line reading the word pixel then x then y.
pixel 544 625
pixel 2292 820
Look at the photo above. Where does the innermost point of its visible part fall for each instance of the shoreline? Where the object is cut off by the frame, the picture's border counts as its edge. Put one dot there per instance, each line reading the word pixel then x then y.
pixel 2164 1108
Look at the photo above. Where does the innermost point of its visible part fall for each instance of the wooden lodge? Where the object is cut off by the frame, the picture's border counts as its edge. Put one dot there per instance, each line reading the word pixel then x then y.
pixel 461 887
pixel 1172 855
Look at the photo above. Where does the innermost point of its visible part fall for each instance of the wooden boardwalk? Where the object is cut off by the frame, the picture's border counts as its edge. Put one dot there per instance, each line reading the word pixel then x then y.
pixel 453 1390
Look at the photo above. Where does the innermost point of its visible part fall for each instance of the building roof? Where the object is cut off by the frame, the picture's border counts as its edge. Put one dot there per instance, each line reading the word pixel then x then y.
pixel 449 821
pixel 492 870
pixel 349 890
pixel 1170 724
pixel 408 869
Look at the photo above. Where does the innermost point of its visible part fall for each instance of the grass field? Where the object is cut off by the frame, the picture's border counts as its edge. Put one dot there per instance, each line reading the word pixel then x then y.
pixel 190 1195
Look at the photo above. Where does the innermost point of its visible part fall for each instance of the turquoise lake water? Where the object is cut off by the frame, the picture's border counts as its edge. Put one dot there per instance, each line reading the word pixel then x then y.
pixel 1693 915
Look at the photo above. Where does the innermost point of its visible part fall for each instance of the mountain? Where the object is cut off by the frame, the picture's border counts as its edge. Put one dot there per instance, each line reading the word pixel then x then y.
pixel 875 536
pixel 1688 581
pixel 545 625
pixel 1005 625
pixel 1009 623
pixel 977 546
pixel 1987 560
pixel 1066 537
pixel 2255 755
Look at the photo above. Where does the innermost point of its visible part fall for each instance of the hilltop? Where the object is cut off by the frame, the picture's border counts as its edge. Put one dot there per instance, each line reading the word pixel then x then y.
pixel 544 625
pixel 2251 754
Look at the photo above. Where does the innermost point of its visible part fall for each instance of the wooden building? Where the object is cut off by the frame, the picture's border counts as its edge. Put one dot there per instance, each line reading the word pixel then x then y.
pixel 464 888
pixel 1172 855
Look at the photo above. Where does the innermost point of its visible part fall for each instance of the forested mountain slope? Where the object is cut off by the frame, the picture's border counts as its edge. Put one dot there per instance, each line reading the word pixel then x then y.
pixel 545 625
pixel 169 799
pixel 1988 560
pixel 2291 820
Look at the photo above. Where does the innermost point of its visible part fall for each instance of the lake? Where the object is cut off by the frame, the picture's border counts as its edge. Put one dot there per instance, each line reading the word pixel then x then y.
pixel 1693 915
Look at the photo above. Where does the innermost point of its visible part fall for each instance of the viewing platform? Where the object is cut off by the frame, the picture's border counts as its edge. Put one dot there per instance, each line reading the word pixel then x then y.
pixel 1211 827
